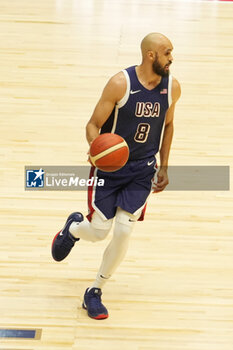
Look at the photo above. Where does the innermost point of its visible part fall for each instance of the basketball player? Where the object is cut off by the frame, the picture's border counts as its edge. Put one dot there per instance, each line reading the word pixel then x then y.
pixel 138 104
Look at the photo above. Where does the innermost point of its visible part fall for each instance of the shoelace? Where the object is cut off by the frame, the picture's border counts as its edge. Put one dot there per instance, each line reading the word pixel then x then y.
pixel 95 301
pixel 68 242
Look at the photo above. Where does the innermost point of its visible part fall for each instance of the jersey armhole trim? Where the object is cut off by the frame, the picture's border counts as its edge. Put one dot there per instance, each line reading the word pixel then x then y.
pixel 169 91
pixel 169 96
pixel 125 98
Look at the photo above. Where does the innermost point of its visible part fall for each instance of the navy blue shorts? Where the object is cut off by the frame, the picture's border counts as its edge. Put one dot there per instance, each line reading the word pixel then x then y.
pixel 127 188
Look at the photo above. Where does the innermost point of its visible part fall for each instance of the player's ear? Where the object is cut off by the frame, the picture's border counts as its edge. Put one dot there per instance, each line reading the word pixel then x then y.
pixel 151 55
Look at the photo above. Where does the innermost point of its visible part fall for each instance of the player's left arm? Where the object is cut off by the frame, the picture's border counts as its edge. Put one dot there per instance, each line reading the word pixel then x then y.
pixel 162 176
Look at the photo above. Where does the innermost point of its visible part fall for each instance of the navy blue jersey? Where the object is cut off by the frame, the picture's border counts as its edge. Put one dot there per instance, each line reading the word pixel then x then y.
pixel 140 115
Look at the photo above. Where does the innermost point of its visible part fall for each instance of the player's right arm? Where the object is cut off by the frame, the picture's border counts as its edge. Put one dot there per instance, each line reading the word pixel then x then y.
pixel 112 93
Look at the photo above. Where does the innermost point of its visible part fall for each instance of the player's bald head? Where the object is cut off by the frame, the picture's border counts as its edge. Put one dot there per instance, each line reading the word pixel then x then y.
pixel 154 42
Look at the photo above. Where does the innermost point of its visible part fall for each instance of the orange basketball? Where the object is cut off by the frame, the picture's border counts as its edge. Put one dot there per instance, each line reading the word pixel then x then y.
pixel 109 152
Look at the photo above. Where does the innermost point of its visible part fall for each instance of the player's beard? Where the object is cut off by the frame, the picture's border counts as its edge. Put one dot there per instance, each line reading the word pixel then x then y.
pixel 159 69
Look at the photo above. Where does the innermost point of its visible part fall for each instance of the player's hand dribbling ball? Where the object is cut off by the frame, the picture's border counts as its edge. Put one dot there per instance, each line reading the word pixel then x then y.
pixel 109 152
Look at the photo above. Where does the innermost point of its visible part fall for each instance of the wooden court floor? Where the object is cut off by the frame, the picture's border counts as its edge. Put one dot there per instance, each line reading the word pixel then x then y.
pixel 174 290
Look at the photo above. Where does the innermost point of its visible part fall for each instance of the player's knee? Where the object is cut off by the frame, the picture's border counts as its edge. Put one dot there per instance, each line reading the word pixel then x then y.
pixel 124 223
pixel 100 227
pixel 122 232
pixel 99 235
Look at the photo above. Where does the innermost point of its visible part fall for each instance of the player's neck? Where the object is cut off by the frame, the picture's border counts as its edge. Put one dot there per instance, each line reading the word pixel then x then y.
pixel 147 77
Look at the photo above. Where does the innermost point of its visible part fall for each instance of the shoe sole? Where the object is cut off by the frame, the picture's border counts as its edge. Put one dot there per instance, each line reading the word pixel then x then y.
pixel 99 317
pixel 55 238
pixel 53 244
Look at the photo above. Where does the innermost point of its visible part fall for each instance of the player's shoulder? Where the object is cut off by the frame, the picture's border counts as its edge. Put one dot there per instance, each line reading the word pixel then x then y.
pixel 118 80
pixel 176 89
pixel 117 85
